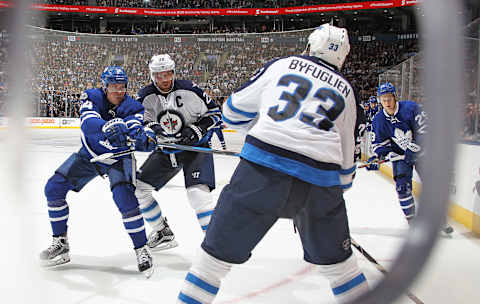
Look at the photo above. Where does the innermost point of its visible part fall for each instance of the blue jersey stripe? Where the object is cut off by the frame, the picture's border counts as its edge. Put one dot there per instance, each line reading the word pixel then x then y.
pixel 150 208
pixel 231 122
pixel 291 154
pixel 153 219
pixel 201 283
pixel 348 171
pixel 323 178
pixel 204 214
pixel 186 299
pixel 349 285
pixel 238 111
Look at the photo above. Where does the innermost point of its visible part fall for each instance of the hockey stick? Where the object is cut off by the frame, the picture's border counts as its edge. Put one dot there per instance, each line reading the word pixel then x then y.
pixel 380 268
pixel 196 149
pixel 109 155
pixel 388 159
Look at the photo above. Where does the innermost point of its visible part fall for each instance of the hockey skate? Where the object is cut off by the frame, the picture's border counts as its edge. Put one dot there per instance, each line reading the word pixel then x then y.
pixel 161 238
pixel 57 253
pixel 144 261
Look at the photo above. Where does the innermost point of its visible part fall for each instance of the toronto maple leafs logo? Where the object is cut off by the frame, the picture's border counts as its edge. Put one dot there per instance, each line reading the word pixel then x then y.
pixel 402 139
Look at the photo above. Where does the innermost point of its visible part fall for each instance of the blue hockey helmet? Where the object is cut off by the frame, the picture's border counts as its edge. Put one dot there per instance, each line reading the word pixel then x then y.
pixel 386 88
pixel 113 75
pixel 372 99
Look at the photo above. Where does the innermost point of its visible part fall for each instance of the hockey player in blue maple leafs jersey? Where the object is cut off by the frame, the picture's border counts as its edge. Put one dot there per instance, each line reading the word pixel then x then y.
pixel 109 120
pixel 180 112
pixel 398 130
pixel 299 114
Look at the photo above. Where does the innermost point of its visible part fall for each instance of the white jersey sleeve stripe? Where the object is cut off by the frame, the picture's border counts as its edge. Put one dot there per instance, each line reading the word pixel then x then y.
pixel 238 111
pixel 231 122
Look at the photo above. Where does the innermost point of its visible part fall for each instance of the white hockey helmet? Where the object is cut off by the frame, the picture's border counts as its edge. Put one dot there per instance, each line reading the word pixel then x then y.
pixel 329 43
pixel 161 63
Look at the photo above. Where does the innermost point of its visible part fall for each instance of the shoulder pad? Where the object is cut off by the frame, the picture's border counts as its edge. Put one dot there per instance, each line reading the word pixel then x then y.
pixel 184 84
pixel 84 96
pixel 129 106
pixel 95 95
pixel 145 91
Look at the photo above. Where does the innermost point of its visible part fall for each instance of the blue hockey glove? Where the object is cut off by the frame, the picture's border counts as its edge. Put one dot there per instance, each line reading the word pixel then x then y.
pixel 373 163
pixel 145 140
pixel 412 153
pixel 116 132
pixel 410 157
pixel 190 135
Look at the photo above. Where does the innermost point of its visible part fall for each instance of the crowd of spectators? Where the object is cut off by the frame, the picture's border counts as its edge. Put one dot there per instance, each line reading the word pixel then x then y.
pixel 66 68
pixel 56 104
pixel 196 4
pixel 167 28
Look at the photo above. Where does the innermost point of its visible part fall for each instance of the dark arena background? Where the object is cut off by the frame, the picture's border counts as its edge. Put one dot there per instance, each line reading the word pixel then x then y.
pixel 219 45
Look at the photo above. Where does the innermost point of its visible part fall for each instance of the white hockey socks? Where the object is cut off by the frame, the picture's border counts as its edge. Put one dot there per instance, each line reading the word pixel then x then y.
pixel 148 205
pixel 201 200
pixel 203 279
pixel 346 279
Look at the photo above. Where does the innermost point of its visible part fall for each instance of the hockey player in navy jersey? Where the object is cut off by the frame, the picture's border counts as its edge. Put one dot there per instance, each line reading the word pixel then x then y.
pixel 397 130
pixel 361 127
pixel 109 119
pixel 179 112
pixel 299 114
pixel 218 129
pixel 374 107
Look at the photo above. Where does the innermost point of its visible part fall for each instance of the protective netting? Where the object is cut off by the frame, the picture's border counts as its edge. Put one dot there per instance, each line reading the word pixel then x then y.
pixel 68 63
pixel 407 78
pixel 64 64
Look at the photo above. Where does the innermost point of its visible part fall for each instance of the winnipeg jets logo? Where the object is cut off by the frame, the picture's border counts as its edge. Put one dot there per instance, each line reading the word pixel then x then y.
pixel 171 122
pixel 402 139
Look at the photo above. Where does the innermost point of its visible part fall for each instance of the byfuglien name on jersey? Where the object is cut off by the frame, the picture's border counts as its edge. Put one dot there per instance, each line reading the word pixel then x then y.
pixel 323 75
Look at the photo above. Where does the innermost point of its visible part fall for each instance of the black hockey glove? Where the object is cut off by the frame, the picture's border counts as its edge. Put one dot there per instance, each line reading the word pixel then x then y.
pixel 156 127
pixel 190 135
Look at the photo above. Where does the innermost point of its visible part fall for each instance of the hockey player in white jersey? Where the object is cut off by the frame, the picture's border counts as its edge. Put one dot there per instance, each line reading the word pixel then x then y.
pixel 299 113
pixel 178 111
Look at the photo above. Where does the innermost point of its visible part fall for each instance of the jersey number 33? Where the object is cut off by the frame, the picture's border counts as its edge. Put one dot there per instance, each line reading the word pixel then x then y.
pixel 330 107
